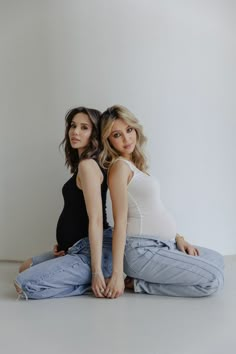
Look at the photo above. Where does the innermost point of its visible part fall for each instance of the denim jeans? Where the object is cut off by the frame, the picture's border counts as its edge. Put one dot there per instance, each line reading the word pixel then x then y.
pixel 159 268
pixel 69 275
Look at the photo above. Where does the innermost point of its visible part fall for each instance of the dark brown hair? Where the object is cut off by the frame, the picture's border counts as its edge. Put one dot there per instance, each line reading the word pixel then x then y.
pixel 92 150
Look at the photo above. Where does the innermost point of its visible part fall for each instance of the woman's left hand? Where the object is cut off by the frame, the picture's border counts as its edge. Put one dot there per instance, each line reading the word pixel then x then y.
pixel 115 286
pixel 186 247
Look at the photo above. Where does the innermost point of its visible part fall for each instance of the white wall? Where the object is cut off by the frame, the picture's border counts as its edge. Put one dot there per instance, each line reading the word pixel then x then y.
pixel 171 62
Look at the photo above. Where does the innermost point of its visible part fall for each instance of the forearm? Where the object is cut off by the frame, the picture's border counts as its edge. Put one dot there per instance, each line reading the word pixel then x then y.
pixel 118 247
pixel 96 240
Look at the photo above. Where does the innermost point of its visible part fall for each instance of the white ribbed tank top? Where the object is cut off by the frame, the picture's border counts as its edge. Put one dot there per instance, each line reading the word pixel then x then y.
pixel 147 215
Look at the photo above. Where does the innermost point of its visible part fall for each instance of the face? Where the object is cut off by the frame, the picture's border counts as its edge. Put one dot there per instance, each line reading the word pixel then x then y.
pixel 123 138
pixel 80 132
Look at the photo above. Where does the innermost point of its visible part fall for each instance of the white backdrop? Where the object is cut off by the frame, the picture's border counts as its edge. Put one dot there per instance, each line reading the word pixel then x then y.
pixel 170 62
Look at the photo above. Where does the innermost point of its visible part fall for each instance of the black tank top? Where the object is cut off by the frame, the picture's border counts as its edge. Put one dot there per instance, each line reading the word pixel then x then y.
pixel 73 221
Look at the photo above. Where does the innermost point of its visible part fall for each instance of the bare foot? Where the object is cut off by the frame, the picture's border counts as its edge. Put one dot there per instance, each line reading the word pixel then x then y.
pixel 25 265
pixel 129 283
pixel 18 289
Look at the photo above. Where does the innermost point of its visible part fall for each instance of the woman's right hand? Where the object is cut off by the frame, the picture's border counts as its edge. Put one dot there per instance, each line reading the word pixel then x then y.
pixel 115 286
pixel 185 247
pixel 58 253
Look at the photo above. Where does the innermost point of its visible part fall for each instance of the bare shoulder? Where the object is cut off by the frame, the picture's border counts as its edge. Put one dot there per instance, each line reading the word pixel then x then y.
pixel 119 170
pixel 89 166
pixel 119 166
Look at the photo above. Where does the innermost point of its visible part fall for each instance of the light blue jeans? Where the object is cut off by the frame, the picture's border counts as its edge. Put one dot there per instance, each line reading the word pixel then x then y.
pixel 69 275
pixel 159 268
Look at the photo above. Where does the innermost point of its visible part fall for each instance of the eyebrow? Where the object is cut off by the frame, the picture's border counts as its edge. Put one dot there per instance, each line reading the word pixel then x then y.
pixel 81 123
pixel 114 131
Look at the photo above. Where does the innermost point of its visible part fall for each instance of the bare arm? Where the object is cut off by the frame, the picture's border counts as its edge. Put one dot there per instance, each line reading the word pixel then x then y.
pixel 90 179
pixel 117 181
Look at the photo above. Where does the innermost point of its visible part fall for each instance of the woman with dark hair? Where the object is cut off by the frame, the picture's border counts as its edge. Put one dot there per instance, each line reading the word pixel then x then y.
pixel 81 259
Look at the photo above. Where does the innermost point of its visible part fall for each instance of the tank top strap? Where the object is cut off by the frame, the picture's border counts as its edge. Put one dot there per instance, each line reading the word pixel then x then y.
pixel 129 163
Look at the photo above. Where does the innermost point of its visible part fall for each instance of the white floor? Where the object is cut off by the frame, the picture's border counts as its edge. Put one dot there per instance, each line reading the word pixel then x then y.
pixel 132 324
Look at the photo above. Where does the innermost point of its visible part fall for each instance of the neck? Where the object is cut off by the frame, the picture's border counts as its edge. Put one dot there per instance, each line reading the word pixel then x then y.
pixel 127 157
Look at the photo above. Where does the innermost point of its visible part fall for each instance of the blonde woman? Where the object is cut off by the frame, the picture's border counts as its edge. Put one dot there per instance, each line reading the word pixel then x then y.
pixel 146 245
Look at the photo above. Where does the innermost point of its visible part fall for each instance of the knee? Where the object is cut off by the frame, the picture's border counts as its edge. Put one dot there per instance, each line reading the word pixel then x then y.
pixel 214 276
pixel 215 284
pixel 219 274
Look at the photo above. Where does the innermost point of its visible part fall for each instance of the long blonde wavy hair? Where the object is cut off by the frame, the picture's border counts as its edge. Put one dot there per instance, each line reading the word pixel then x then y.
pixel 108 154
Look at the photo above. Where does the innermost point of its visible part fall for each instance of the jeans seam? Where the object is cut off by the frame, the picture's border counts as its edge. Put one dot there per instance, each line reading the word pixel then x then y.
pixel 192 264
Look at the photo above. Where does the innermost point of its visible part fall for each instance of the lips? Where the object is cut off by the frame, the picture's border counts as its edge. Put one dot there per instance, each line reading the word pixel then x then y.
pixel 128 146
pixel 73 140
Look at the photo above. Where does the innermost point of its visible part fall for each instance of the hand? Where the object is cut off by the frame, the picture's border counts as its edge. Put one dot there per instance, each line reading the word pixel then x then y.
pixel 98 284
pixel 115 286
pixel 58 253
pixel 185 247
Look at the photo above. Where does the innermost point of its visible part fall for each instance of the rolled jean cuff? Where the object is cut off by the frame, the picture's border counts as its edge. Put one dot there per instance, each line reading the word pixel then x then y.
pixel 22 294
pixel 137 288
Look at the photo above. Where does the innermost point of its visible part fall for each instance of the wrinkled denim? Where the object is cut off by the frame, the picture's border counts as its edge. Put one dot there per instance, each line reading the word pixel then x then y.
pixel 69 275
pixel 159 268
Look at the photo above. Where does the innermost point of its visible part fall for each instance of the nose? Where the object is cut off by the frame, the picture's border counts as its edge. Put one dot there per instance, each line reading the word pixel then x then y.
pixel 125 138
pixel 76 131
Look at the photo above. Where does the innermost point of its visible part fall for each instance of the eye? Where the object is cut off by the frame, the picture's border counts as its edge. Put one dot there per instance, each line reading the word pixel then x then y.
pixel 72 125
pixel 130 129
pixel 116 135
pixel 84 127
